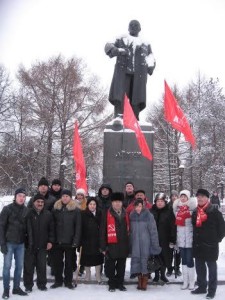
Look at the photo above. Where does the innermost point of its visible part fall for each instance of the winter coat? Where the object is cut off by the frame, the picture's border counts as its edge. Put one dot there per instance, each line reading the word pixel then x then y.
pixel 42 227
pixel 135 62
pixel 144 240
pixel 121 248
pixel 165 222
pixel 104 203
pixel 215 200
pixel 67 220
pixel 56 195
pixel 185 233
pixel 90 240
pixel 49 201
pixel 13 225
pixel 206 238
pixel 128 199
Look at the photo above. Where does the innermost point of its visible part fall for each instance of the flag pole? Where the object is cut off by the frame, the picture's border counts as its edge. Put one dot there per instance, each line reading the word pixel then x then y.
pixel 168 152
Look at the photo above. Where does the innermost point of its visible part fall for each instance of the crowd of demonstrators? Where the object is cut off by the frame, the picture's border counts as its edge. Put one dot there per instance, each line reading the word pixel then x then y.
pixel 144 241
pixel 165 222
pixel 108 228
pixel 174 253
pixel 209 230
pixel 90 240
pixel 183 208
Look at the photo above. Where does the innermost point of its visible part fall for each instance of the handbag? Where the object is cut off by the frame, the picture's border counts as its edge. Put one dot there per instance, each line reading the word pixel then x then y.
pixel 154 263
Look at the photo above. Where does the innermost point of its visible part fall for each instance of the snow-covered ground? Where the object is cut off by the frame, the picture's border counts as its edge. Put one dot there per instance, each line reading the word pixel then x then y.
pixel 98 292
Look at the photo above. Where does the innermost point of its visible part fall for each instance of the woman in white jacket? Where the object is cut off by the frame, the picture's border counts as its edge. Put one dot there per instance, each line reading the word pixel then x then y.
pixel 183 208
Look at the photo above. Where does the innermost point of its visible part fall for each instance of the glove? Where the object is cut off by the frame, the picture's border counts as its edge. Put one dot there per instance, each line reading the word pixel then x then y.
pixel 4 249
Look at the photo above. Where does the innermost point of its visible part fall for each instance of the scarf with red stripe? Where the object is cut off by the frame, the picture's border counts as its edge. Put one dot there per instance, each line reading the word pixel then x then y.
pixel 201 215
pixel 182 215
pixel 111 227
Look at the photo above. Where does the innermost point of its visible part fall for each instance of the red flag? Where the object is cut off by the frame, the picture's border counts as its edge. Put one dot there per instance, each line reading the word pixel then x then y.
pixel 80 167
pixel 130 121
pixel 175 116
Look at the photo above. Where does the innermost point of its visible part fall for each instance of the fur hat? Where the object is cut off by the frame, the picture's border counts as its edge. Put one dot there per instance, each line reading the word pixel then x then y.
pixel 56 181
pixel 38 197
pixel 160 196
pixel 139 191
pixel 117 196
pixel 202 192
pixel 186 193
pixel 66 192
pixel 20 191
pixel 81 191
pixel 43 181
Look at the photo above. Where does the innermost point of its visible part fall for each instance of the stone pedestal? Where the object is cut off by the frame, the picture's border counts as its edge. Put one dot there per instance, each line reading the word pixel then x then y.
pixel 123 160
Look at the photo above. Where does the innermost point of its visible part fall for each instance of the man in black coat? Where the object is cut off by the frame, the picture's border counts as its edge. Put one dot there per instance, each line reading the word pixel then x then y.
pixel 56 188
pixel 14 234
pixel 129 194
pixel 41 225
pixel 104 197
pixel 67 219
pixel 209 230
pixel 114 242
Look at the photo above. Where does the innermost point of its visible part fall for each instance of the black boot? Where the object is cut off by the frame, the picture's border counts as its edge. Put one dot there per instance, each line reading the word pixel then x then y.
pixel 162 275
pixel 156 278
pixel 5 294
pixel 19 291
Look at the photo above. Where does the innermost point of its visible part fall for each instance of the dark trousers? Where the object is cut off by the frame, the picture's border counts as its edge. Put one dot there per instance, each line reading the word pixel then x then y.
pixel 63 257
pixel 174 261
pixel 201 271
pixel 115 270
pixel 35 259
pixel 187 257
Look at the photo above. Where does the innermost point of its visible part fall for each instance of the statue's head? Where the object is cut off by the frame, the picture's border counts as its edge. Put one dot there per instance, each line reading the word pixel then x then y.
pixel 134 28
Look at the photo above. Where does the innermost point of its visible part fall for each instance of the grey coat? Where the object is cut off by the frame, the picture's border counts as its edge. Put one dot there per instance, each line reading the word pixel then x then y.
pixel 144 240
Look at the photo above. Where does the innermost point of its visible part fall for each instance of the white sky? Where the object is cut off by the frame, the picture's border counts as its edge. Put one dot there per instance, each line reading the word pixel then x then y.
pixel 186 36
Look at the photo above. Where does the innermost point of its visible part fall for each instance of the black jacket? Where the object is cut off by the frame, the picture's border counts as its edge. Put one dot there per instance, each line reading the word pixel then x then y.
pixel 165 222
pixel 90 232
pixel 67 220
pixel 206 238
pixel 13 225
pixel 42 228
pixel 121 248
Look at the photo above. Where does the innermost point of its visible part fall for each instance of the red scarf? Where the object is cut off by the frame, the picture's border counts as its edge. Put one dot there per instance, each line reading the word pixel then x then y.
pixel 182 215
pixel 201 215
pixel 111 228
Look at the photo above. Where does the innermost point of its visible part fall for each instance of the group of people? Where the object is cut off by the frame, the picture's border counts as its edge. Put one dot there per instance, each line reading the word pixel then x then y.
pixel 53 228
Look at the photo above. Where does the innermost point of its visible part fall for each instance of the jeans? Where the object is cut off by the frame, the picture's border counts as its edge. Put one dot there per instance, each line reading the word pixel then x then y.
pixel 18 251
pixel 187 257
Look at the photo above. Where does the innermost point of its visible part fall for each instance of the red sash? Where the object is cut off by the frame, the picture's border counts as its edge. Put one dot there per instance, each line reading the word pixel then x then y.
pixel 201 215
pixel 111 228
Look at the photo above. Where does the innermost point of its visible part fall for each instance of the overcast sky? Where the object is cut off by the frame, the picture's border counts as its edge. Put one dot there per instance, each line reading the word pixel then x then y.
pixel 187 36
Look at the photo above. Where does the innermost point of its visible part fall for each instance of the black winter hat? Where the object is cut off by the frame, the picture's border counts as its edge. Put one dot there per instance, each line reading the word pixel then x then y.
pixel 139 191
pixel 43 181
pixel 56 181
pixel 20 191
pixel 38 197
pixel 117 196
pixel 202 192
pixel 66 192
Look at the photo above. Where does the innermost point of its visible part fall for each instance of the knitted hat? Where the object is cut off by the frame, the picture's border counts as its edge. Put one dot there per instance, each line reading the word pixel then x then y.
pixel 56 181
pixel 38 197
pixel 202 192
pixel 66 192
pixel 117 196
pixel 43 181
pixel 80 191
pixel 160 196
pixel 186 193
pixel 20 191
pixel 138 201
pixel 139 191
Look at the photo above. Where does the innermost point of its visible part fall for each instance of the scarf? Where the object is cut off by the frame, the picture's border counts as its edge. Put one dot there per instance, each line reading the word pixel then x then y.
pixel 201 215
pixel 111 228
pixel 182 215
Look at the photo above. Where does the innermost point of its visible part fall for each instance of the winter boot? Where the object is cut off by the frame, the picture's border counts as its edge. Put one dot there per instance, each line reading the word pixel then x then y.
pixel 140 277
pixel 98 274
pixel 5 294
pixel 162 275
pixel 185 277
pixel 144 282
pixel 88 273
pixel 156 278
pixel 191 278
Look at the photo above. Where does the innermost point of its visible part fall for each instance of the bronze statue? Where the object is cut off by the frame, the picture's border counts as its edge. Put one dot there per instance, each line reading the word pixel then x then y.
pixel 134 61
